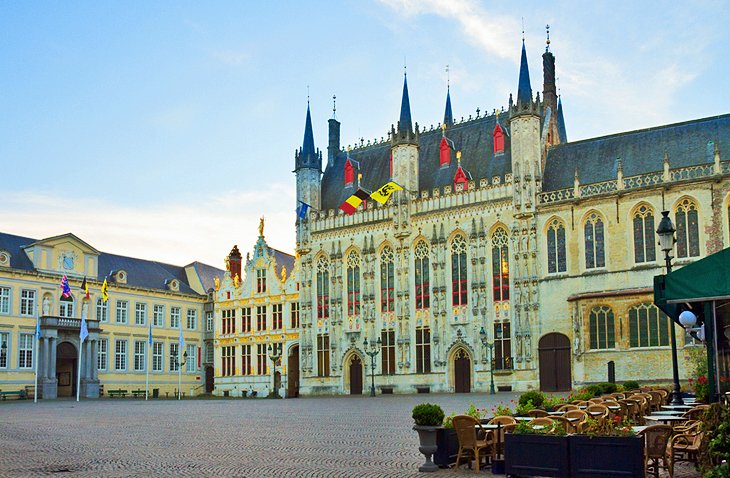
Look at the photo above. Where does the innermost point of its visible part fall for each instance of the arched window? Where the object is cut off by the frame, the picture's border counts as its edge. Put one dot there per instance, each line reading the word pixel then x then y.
pixel 349 173
pixel 353 283
pixel 444 152
pixel 423 295
pixel 648 327
pixel 387 303
pixel 602 329
pixel 498 139
pixel 556 247
pixel 688 229
pixel 595 251
pixel 644 243
pixel 323 288
pixel 500 265
pixel 458 271
pixel 66 306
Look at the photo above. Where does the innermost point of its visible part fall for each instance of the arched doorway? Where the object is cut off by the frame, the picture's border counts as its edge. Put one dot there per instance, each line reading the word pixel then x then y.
pixel 209 379
pixel 293 373
pixel 66 369
pixel 277 380
pixel 554 356
pixel 355 375
pixel 462 372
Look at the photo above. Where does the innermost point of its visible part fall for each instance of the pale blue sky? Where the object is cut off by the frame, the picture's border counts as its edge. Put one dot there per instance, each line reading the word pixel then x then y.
pixel 164 130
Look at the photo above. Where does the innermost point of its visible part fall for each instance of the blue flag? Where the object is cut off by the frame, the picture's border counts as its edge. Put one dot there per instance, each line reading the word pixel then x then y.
pixel 38 326
pixel 150 334
pixel 84 332
pixel 302 209
pixel 182 341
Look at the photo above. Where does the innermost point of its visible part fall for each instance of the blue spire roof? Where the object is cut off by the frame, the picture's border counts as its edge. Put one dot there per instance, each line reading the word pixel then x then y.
pixel 448 117
pixel 562 135
pixel 405 109
pixel 308 144
pixel 524 90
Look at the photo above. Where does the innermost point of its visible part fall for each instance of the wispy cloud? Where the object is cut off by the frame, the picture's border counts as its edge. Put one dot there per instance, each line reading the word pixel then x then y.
pixel 231 57
pixel 173 232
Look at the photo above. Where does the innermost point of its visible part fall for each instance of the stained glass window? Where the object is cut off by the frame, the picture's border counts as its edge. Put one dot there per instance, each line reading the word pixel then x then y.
pixel 323 288
pixel 353 283
pixel 556 247
pixel 387 303
pixel 688 231
pixel 594 242
pixel 422 276
pixel 644 241
pixel 458 271
pixel 500 265
pixel 648 327
pixel 602 331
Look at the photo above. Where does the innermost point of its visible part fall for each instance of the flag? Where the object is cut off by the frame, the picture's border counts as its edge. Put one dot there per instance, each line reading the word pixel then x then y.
pixel 85 288
pixel 104 292
pixel 66 289
pixel 353 202
pixel 182 341
pixel 84 332
pixel 150 334
pixel 382 194
pixel 38 326
pixel 302 209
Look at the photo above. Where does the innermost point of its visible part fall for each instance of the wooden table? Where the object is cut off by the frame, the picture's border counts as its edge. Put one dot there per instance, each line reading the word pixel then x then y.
pixel 666 419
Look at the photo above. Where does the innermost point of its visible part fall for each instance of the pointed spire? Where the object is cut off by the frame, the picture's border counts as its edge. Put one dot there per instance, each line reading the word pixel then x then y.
pixel 404 124
pixel 524 90
pixel 562 134
pixel 308 144
pixel 448 117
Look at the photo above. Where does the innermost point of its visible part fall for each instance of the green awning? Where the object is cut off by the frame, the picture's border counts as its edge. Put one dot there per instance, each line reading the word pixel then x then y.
pixel 706 279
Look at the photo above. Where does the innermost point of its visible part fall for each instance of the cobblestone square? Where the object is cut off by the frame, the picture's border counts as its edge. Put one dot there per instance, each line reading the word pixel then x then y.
pixel 304 437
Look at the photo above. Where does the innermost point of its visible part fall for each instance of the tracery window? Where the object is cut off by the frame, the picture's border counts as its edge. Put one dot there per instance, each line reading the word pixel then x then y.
pixel 594 242
pixel 556 247
pixel 387 300
pixel 644 241
pixel 502 346
pixel 387 347
pixel 323 288
pixel 423 350
pixel 602 333
pixel 323 355
pixel 500 265
pixel 688 230
pixel 353 283
pixel 458 271
pixel 648 327
pixel 423 296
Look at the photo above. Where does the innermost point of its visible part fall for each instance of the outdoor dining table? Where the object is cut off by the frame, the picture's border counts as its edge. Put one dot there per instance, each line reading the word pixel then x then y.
pixel 668 412
pixel 639 428
pixel 666 419
pixel 678 407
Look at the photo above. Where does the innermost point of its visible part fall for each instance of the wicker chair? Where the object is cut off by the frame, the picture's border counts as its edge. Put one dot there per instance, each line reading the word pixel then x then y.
pixel 633 410
pixel 580 403
pixel 469 445
pixel 595 401
pixel 685 446
pixel 508 423
pixel 567 424
pixel 696 412
pixel 656 400
pixel 656 438
pixel 536 413
pixel 575 416
pixel 568 407
pixel 541 422
pixel 597 412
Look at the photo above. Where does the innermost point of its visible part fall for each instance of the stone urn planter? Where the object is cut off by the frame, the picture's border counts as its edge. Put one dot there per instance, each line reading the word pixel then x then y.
pixel 428 419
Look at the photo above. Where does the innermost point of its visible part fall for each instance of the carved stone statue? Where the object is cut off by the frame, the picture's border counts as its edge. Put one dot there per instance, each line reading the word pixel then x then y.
pixel 85 309
pixel 261 226
pixel 283 273
pixel 46 306
pixel 217 283
pixel 236 281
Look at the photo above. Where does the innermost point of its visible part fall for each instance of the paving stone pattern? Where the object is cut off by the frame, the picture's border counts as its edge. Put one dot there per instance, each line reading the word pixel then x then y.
pixel 356 437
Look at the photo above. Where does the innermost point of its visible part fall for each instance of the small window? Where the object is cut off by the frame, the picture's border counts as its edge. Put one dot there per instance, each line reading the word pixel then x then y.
pixel 498 139
pixel 444 152
pixel 349 173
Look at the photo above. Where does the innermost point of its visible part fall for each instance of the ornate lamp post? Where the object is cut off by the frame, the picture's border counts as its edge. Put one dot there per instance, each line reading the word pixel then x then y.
pixel 179 370
pixel 274 355
pixel 665 231
pixel 374 350
pixel 490 348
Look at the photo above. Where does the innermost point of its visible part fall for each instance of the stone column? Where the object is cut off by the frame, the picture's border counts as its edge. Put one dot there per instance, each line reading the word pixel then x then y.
pixel 43 357
pixel 52 368
pixel 94 359
pixel 89 373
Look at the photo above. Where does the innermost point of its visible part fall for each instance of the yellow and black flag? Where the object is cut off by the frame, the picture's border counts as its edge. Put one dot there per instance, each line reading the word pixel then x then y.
pixel 104 291
pixel 85 288
pixel 353 202
pixel 383 193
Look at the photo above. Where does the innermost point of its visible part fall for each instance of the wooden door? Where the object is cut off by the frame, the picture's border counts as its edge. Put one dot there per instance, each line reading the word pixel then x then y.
pixel 209 379
pixel 355 375
pixel 292 377
pixel 554 356
pixel 462 372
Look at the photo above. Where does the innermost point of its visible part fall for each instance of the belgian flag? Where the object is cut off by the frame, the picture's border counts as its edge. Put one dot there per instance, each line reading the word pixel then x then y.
pixel 85 288
pixel 353 202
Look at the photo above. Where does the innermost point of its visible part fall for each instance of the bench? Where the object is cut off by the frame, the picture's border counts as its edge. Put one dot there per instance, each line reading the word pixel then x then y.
pixel 15 393
pixel 117 393
pixel 138 393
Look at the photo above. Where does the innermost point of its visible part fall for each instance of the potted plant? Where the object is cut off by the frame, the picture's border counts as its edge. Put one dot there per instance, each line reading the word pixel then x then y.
pixel 606 449
pixel 428 418
pixel 531 451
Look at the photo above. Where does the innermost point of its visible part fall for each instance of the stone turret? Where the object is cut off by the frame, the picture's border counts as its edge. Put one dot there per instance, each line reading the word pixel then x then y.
pixel 404 144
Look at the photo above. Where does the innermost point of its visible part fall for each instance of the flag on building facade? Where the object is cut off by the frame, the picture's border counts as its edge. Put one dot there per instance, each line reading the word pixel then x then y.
pixel 383 193
pixel 182 341
pixel 37 326
pixel 85 288
pixel 302 209
pixel 65 288
pixel 353 202
pixel 150 334
pixel 104 291
pixel 84 332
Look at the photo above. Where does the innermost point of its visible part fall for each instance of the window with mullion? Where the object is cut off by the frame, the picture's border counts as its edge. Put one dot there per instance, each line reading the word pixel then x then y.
pixel 120 355
pixel 102 310
pixel 423 350
pixel 423 286
pixel 323 296
pixel 140 313
pixel 158 350
pixel 246 360
pixel 294 324
pixel 260 318
pixel 102 354
pixel 25 351
pixel 260 281
pixel 648 327
pixel 387 298
pixel 27 302
pixel 174 356
pixel 502 346
pixel 556 247
pixel 594 242
pixel 191 365
pixel 277 316
pixel 602 333
pixel 139 355
pixel 387 351
pixel 323 355
pixel 245 319
pixel 4 349
pixel 261 359
pixel 4 300
pixel 158 315
pixel 644 243
pixel 458 271
pixel 353 290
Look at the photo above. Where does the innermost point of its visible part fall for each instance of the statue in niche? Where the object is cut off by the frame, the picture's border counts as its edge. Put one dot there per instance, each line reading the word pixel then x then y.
pixel 85 309
pixel 46 306
pixel 576 329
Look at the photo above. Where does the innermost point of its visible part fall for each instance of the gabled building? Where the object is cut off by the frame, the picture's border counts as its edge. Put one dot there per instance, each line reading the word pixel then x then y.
pixel 116 354
pixel 511 255
pixel 257 321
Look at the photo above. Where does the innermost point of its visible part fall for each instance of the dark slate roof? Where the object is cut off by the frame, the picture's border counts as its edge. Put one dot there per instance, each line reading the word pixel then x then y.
pixel 405 109
pixel 140 272
pixel 524 90
pixel 283 260
pixel 641 152
pixel 207 274
pixel 308 143
pixel 448 116
pixel 473 138
pixel 562 134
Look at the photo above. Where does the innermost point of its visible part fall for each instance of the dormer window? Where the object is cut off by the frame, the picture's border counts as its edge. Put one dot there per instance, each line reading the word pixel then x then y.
pixel 461 178
pixel 349 173
pixel 498 140
pixel 444 152
pixel 120 277
pixel 173 285
pixel 4 259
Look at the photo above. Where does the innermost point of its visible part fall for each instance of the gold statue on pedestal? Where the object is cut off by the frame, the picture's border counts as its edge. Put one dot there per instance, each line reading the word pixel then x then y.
pixel 261 226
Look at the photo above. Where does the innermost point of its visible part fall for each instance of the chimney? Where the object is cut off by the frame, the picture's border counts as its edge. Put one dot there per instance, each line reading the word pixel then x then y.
pixel 234 261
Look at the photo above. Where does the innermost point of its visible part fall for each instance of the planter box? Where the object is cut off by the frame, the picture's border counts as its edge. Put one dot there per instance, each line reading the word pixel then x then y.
pixel 536 455
pixel 606 457
pixel 448 447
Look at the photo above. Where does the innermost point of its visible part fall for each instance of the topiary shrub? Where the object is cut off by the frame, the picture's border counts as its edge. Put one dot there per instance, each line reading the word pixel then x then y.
pixel 428 414
pixel 536 397
pixel 631 385
pixel 607 387
pixel 594 389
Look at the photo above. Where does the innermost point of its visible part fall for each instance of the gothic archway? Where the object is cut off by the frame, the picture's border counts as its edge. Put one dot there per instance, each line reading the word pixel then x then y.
pixel 462 371
pixel 355 375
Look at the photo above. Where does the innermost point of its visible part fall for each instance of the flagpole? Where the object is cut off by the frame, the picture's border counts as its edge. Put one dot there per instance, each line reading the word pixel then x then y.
pixel 35 354
pixel 147 367
pixel 78 370
pixel 179 367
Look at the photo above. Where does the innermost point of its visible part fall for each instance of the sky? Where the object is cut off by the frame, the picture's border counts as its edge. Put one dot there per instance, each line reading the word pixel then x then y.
pixel 164 130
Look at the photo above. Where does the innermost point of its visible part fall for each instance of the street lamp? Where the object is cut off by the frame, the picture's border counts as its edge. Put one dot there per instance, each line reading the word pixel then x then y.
pixel 374 350
pixel 665 231
pixel 490 347
pixel 274 355
pixel 179 370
